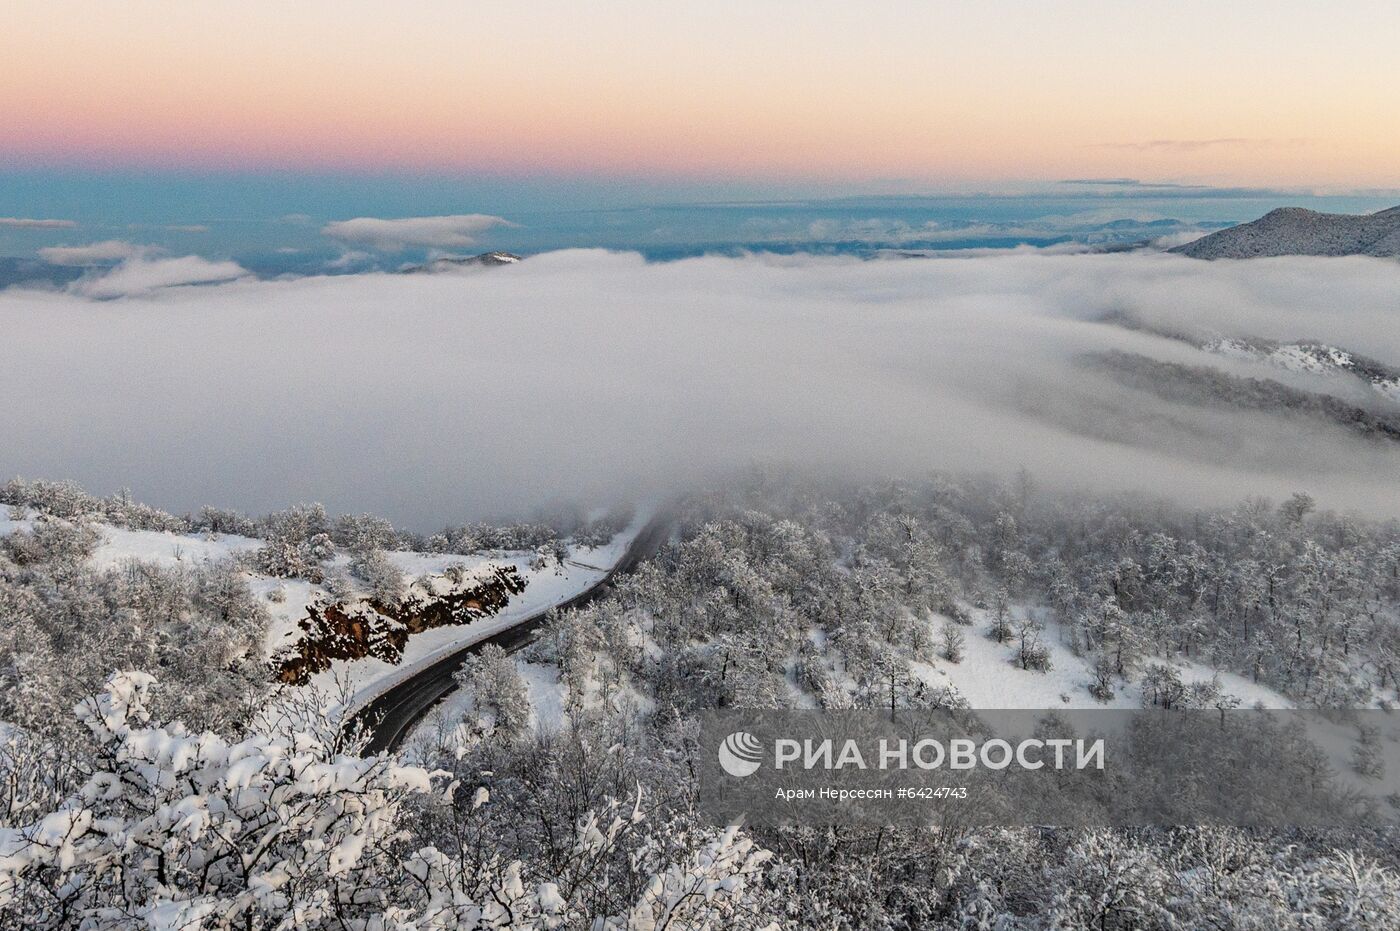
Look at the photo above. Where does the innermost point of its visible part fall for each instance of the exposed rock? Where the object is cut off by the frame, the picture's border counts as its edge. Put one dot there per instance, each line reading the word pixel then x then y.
pixel 370 628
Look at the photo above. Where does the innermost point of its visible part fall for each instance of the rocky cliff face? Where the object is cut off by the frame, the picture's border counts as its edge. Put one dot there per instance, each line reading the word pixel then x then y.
pixel 370 628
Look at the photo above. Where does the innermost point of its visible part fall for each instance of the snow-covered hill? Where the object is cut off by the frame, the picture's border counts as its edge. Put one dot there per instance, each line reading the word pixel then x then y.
pixel 1296 231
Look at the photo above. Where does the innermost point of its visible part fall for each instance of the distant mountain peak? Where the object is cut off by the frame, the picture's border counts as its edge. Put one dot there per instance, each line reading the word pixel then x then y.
pixel 1299 231
pixel 453 263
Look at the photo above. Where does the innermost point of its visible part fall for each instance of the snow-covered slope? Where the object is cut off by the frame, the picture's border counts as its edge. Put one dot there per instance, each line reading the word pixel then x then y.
pixel 168 549
pixel 1296 231
pixel 989 678
pixel 1302 357
pixel 1312 359
pixel 287 599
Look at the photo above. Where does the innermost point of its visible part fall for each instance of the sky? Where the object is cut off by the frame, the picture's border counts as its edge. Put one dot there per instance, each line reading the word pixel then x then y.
pixel 899 96
pixel 251 131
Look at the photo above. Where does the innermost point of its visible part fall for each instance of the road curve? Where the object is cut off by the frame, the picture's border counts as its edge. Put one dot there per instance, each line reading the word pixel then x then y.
pixel 389 718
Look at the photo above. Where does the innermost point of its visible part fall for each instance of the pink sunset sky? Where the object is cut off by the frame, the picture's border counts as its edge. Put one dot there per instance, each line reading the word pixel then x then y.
pixel 1281 93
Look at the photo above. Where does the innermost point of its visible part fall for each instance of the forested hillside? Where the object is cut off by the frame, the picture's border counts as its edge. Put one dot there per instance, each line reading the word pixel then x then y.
pixel 557 788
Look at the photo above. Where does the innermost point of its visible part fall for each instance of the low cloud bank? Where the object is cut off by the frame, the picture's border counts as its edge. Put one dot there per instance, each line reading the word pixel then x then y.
pixel 590 375
pixel 451 232
pixel 117 268
pixel 111 250
pixel 29 223
pixel 140 276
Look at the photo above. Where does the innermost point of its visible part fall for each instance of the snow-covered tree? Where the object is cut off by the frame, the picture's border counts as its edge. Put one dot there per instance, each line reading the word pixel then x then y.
pixel 954 642
pixel 383 579
pixel 498 690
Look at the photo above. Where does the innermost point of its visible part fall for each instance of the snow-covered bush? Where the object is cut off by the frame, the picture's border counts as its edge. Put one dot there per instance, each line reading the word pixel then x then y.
pixel 1162 687
pixel 599 532
pixel 173 829
pixel 1368 759
pixel 176 830
pixel 1030 652
pixel 550 555
pixel 381 577
pixel 954 642
pixel 66 623
pixel 287 558
pixel 67 501
pixel 1002 628
pixel 222 520
pixel 1101 685
pixel 51 540
pixel 479 538
pixel 363 533
pixel 339 587
pixel 1109 883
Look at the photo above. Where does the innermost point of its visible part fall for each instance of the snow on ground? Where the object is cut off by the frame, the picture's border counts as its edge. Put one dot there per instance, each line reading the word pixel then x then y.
pixel 285 600
pixel 172 549
pixel 169 549
pixel 1338 736
pixel 547 698
pixel 547 695
pixel 1307 359
pixel 449 726
pixel 989 678
pixel 1250 693
pixel 9 524
pixel 119 545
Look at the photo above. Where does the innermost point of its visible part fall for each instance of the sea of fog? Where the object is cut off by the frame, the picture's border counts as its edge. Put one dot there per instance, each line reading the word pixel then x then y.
pixel 591 376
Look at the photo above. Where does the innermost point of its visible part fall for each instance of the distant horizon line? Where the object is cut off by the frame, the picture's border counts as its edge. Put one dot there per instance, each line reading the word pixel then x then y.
pixel 816 186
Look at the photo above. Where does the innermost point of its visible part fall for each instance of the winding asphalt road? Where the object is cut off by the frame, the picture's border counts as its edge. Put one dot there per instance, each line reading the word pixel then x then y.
pixel 389 718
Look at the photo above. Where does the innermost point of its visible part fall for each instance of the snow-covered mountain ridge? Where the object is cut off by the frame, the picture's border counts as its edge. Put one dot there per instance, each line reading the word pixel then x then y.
pixel 1297 231
pixel 457 263
pixel 1311 359
pixel 1321 360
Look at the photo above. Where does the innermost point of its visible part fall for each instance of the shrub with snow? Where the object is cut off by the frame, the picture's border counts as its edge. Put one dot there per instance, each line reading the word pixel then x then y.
pixel 175 830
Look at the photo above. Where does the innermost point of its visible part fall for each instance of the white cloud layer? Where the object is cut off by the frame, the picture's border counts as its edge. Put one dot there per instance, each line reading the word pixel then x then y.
pixel 451 232
pixel 140 276
pixel 585 375
pixel 26 223
pixel 111 250
pixel 1172 240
